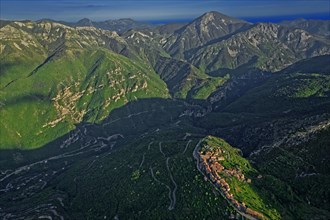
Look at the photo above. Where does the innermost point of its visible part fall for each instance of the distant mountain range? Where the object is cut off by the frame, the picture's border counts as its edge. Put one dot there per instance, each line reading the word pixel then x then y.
pixel 320 27
pixel 120 25
pixel 105 119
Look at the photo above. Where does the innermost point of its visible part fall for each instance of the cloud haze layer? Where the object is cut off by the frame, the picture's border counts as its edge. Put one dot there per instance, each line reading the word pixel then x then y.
pixel 73 10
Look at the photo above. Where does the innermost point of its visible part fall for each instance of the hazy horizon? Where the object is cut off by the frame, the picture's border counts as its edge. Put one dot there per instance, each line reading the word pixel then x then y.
pixel 273 19
pixel 158 12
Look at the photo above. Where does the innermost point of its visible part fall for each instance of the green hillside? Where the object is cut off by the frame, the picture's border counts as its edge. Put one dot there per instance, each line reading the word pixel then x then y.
pixel 293 92
pixel 80 85
pixel 55 76
pixel 217 118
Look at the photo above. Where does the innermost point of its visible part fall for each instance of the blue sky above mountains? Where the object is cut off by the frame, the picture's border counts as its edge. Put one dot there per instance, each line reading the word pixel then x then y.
pixel 162 11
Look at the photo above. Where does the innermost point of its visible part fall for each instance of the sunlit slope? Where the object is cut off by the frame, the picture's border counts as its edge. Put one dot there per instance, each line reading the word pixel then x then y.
pixel 79 85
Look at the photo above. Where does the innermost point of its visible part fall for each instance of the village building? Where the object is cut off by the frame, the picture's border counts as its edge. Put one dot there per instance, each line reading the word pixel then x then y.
pixel 211 166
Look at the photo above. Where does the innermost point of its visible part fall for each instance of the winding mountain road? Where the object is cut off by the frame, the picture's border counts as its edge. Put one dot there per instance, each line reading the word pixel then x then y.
pixel 171 207
pixel 186 147
pixel 161 150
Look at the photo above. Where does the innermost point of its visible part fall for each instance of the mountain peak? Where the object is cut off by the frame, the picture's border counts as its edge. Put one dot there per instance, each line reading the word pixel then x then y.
pixel 217 16
pixel 126 19
pixel 214 13
pixel 85 21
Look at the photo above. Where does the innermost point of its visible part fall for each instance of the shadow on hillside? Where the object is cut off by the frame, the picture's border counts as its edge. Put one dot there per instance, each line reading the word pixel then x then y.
pixel 133 119
pixel 136 118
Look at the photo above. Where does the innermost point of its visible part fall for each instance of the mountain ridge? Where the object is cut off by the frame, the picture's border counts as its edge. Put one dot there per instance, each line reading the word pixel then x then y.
pixel 98 124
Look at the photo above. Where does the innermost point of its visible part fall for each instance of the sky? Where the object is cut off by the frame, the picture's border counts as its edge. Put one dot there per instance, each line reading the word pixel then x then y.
pixel 160 11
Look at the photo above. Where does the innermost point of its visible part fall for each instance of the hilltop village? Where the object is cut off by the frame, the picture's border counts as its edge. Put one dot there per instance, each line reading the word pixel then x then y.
pixel 210 165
